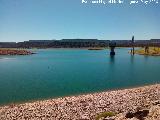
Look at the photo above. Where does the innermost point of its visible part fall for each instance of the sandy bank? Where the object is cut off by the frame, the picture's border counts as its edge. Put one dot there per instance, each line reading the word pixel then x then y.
pixel 84 107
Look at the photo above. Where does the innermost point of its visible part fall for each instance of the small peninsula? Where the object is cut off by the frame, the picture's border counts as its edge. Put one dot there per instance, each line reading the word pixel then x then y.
pixel 151 51
pixel 15 52
pixel 95 48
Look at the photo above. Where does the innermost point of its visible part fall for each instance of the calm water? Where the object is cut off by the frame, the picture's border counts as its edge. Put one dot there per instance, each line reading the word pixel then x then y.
pixel 62 72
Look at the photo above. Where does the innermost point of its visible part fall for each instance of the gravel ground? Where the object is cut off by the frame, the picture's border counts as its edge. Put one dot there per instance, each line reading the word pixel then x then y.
pixel 87 107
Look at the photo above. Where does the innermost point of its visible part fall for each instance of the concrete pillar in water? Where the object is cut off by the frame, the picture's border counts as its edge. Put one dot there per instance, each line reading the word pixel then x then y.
pixel 112 46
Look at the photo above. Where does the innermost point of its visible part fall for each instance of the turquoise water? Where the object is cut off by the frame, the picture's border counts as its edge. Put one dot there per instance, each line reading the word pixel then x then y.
pixel 61 72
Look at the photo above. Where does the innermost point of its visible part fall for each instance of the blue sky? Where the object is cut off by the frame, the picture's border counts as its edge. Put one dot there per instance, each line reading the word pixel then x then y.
pixel 22 20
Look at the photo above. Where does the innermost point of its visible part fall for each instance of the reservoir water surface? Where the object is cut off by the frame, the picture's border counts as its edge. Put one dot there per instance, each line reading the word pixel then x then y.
pixel 55 73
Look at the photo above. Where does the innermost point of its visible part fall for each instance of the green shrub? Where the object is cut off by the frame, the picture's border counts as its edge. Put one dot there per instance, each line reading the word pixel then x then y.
pixel 105 114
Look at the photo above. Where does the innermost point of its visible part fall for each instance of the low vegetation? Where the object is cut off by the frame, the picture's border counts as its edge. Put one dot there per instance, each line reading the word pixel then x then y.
pixel 152 51
pixel 104 115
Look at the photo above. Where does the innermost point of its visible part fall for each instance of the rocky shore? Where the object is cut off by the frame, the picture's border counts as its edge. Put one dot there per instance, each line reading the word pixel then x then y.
pixel 15 52
pixel 142 103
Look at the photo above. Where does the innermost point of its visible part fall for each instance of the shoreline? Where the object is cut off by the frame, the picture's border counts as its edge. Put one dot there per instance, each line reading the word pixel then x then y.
pixel 149 51
pixel 75 95
pixel 10 52
pixel 88 105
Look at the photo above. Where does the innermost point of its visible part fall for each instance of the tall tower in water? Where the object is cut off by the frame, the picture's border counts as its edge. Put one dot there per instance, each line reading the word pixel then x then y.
pixel 132 52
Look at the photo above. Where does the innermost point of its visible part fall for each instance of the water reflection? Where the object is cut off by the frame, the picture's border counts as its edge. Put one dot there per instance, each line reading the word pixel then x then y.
pixel 112 59
pixel 132 59
pixel 146 57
